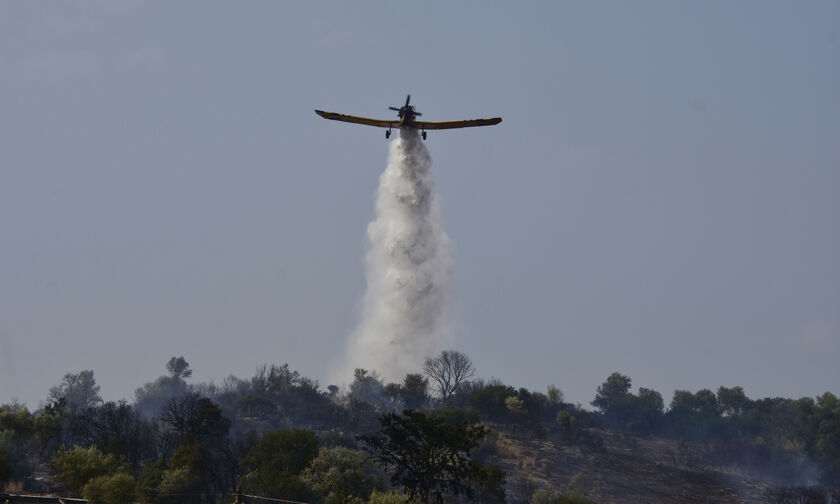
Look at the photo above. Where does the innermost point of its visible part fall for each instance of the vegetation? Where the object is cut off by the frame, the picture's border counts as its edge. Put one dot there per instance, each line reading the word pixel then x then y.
pixel 429 438
pixel 426 456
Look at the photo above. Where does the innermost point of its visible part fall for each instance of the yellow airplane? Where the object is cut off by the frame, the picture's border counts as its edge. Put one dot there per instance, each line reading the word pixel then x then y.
pixel 406 120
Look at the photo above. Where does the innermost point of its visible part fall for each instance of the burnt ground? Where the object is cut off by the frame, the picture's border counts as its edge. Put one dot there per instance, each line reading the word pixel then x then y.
pixel 615 468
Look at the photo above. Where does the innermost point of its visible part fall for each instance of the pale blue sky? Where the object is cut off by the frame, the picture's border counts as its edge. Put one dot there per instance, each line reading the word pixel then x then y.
pixel 660 200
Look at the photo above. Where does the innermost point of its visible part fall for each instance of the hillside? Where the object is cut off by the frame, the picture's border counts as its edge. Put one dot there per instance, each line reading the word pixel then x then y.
pixel 623 469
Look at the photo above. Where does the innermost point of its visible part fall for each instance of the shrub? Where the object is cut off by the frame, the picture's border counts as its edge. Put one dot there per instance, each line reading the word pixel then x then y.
pixel 74 468
pixel 117 489
pixel 174 484
pixel 387 498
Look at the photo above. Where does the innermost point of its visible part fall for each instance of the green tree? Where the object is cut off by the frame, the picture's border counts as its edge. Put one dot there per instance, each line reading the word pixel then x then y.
pixel 645 411
pixel 52 425
pixel 415 391
pixel 732 401
pixel 339 476
pixel 150 480
pixel 77 466
pixel 567 423
pixel 378 497
pixel 554 395
pixel 17 443
pixel 277 460
pixel 613 398
pixel 177 486
pixel 694 415
pixel 117 489
pixel 426 456
pixel 488 483
pixel 489 401
pixel 827 436
pixel 20 422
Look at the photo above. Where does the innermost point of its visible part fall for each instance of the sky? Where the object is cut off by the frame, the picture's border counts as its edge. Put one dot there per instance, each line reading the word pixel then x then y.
pixel 660 199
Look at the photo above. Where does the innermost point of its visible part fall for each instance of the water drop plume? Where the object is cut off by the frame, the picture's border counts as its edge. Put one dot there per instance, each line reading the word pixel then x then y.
pixel 404 310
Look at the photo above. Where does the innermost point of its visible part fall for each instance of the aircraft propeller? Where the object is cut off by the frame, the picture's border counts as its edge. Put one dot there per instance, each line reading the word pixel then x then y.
pixel 405 107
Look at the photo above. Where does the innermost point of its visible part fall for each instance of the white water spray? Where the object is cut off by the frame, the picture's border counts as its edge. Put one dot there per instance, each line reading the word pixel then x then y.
pixel 404 311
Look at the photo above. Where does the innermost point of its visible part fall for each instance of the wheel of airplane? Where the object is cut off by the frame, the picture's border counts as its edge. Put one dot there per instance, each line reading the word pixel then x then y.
pixel 387 134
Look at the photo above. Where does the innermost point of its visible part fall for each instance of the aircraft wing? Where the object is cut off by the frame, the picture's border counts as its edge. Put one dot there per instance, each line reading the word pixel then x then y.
pixel 379 123
pixel 468 123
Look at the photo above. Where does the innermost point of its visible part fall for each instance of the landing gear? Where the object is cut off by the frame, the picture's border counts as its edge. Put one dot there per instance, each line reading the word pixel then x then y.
pixel 424 135
pixel 387 133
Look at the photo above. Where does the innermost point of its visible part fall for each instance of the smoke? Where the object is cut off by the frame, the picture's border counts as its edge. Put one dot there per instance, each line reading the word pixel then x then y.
pixel 404 310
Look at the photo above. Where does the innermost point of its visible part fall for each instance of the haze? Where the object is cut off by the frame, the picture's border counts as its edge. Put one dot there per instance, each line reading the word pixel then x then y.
pixel 660 200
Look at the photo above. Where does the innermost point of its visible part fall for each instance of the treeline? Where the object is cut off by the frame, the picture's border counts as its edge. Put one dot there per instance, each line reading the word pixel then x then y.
pixel 796 440
pixel 279 434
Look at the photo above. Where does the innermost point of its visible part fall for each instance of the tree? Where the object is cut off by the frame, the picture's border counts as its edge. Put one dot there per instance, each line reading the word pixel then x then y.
pixel 555 395
pixel 489 483
pixel 117 428
pixel 52 425
pixel 367 387
pixel 490 401
pixel 645 411
pixel 117 489
pixel 150 479
pixel 178 368
pixel 338 475
pixel 5 466
pixel 426 456
pixel 516 407
pixel 826 447
pixel 378 497
pixel 415 391
pixel 152 398
pixel 694 415
pixel 17 447
pixel 278 459
pixel 76 467
pixel 448 370
pixel 196 418
pixel 612 395
pixel 732 401
pixel 567 423
pixel 79 391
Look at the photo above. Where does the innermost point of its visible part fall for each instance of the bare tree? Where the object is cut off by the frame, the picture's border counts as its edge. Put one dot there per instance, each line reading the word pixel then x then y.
pixel 447 371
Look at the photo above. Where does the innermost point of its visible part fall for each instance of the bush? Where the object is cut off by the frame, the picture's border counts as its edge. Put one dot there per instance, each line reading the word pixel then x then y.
pixel 174 484
pixel 387 498
pixel 339 476
pixel 276 461
pixel 545 497
pixel 117 489
pixel 74 468
pixel 150 481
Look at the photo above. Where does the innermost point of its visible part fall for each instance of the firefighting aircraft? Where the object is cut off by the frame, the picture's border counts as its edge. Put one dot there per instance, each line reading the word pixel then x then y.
pixel 406 120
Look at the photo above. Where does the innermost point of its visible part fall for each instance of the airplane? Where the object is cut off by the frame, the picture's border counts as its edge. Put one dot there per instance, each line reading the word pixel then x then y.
pixel 406 119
